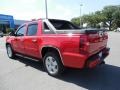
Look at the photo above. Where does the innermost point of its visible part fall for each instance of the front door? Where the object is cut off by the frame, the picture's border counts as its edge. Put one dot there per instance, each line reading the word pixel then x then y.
pixel 18 42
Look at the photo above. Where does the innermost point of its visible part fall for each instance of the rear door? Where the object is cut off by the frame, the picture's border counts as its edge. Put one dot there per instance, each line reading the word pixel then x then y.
pixel 31 41
pixel 18 42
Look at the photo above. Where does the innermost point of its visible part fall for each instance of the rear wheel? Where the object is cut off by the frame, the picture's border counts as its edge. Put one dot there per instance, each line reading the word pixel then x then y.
pixel 53 65
pixel 10 52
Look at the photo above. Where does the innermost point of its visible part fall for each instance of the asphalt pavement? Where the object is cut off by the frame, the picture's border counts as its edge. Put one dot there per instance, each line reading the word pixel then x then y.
pixel 24 74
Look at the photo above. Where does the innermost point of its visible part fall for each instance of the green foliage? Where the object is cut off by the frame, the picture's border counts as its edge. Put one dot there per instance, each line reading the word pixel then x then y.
pixel 76 21
pixel 108 17
pixel 108 12
pixel 116 17
pixel 8 30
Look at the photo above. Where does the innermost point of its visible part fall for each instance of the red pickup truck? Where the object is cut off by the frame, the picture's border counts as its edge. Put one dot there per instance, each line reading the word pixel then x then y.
pixel 59 44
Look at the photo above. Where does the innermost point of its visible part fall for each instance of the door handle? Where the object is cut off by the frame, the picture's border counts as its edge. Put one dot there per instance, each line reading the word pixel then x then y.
pixel 34 40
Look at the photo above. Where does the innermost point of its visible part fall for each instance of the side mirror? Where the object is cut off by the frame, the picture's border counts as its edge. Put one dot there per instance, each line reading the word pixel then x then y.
pixel 12 33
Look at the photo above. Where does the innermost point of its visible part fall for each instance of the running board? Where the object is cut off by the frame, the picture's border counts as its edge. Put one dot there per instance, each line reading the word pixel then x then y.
pixel 27 57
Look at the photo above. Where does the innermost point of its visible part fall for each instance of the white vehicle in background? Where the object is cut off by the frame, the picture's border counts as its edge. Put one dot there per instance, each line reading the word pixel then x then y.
pixel 117 30
pixel 1 34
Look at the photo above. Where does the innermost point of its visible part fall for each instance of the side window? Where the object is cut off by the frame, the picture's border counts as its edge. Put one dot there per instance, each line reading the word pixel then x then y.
pixel 46 26
pixel 21 31
pixel 46 29
pixel 32 29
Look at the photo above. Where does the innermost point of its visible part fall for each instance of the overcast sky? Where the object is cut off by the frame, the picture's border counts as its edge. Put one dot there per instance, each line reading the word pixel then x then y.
pixel 61 9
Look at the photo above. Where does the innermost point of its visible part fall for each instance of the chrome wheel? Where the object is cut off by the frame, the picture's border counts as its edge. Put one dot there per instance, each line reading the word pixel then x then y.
pixel 9 51
pixel 51 65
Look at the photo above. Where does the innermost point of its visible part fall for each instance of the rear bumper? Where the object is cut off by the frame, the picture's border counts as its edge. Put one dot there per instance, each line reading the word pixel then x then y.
pixel 83 61
pixel 95 60
pixel 74 60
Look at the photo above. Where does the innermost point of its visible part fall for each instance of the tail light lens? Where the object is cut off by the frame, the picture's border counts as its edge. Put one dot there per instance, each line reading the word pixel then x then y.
pixel 84 44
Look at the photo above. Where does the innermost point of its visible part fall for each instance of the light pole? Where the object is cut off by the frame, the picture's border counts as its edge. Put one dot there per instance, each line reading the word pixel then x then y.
pixel 80 14
pixel 46 9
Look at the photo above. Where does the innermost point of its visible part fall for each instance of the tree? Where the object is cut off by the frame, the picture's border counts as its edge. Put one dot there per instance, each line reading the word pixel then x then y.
pixel 76 21
pixel 93 19
pixel 108 13
pixel 108 17
pixel 116 17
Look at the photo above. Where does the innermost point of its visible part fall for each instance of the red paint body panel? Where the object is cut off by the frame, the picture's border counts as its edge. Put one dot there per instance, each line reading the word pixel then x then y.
pixel 69 46
pixel 74 60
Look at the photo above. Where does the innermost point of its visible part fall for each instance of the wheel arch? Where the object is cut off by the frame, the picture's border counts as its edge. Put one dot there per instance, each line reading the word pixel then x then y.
pixel 49 48
pixel 7 44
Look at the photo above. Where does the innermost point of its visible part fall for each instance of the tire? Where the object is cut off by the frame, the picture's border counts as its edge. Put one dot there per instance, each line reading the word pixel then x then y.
pixel 10 51
pixel 53 64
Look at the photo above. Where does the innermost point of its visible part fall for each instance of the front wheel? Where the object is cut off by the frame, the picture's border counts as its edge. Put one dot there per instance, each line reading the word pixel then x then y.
pixel 53 64
pixel 10 52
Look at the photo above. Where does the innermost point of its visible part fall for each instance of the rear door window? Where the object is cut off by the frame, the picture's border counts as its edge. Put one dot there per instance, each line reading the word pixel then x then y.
pixel 46 29
pixel 32 29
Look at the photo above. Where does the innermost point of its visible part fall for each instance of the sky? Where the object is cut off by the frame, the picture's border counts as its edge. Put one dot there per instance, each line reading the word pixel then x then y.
pixel 58 9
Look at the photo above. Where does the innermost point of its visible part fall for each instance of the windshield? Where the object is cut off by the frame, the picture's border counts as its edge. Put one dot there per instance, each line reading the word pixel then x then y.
pixel 63 25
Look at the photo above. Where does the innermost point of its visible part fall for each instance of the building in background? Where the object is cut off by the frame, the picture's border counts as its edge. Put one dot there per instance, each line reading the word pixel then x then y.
pixel 8 22
pixel 17 23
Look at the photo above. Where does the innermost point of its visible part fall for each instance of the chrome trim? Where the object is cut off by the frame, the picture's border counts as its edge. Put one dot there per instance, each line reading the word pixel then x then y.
pixel 52 28
pixel 23 56
pixel 101 33
pixel 54 48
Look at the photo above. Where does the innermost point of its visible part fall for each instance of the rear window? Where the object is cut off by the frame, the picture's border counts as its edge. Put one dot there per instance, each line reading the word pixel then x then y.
pixel 63 25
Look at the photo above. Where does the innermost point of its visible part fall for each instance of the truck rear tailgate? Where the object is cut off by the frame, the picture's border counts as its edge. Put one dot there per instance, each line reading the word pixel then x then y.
pixel 97 41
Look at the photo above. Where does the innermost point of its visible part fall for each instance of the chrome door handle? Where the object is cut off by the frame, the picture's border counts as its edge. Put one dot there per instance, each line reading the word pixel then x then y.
pixel 34 40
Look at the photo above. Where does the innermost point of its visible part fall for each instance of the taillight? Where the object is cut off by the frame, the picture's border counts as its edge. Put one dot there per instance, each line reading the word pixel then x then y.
pixel 84 44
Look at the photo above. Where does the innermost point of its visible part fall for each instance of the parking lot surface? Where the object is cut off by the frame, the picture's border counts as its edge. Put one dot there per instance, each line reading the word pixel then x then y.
pixel 24 74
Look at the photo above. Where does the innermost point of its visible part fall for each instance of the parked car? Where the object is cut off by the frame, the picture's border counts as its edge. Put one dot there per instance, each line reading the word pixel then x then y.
pixel 117 30
pixel 59 44
pixel 1 34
